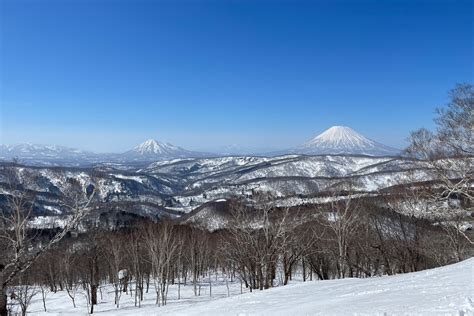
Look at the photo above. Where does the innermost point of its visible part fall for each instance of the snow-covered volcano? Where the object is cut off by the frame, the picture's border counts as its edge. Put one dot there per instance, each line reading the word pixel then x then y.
pixel 153 147
pixel 154 150
pixel 344 140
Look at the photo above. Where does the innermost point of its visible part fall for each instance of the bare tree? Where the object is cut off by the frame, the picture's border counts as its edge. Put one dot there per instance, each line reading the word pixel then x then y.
pixel 91 256
pixel 343 219
pixel 112 246
pixel 24 293
pixel 295 246
pixel 448 154
pixel 257 237
pixel 45 290
pixel 70 279
pixel 20 248
pixel 133 247
pixel 161 246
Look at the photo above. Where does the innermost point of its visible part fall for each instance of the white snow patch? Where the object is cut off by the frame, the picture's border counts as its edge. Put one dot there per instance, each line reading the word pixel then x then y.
pixel 442 291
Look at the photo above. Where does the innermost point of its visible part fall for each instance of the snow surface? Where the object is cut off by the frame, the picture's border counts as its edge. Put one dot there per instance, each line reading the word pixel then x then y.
pixel 125 177
pixel 447 290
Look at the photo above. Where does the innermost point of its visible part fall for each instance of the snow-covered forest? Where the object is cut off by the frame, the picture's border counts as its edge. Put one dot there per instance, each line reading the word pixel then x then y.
pixel 349 251
pixel 237 157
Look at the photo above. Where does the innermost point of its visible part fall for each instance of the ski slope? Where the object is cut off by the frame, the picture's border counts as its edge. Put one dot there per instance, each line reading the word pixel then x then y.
pixel 447 290
pixel 443 291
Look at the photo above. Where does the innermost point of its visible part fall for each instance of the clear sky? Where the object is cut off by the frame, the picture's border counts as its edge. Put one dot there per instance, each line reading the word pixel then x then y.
pixel 105 75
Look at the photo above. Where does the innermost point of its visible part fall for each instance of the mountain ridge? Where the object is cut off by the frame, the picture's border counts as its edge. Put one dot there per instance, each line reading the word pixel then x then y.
pixel 337 140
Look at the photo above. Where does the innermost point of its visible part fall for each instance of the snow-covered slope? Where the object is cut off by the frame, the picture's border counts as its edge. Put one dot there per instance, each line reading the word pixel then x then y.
pixel 443 291
pixel 447 290
pixel 344 140
pixel 186 183
pixel 140 194
pixel 205 180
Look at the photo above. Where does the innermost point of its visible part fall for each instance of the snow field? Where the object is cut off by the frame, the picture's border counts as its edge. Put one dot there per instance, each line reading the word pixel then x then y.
pixel 447 290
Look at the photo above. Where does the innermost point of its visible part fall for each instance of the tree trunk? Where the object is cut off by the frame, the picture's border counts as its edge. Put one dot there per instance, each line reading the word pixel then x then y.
pixel 94 282
pixel 3 300
pixel 93 294
pixel 287 277
pixel 260 277
pixel 3 293
pixel 304 269
pixel 43 295
pixel 125 285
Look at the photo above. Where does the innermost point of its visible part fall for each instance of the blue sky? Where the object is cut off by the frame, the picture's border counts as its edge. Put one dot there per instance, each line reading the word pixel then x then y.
pixel 105 75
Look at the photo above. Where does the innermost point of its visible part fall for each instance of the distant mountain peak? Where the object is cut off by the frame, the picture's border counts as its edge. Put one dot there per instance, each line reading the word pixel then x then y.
pixel 339 135
pixel 45 153
pixel 151 146
pixel 152 149
pixel 149 150
pixel 39 149
pixel 345 140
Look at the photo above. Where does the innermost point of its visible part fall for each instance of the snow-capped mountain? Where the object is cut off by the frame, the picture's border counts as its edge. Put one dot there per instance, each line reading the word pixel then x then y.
pixel 338 140
pixel 344 140
pixel 49 155
pixel 42 152
pixel 154 150
pixel 152 147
